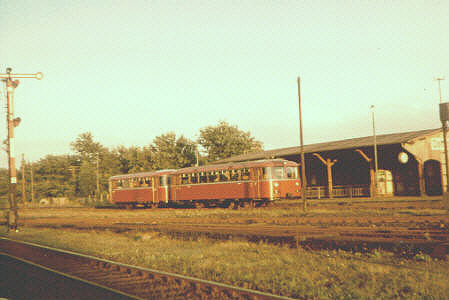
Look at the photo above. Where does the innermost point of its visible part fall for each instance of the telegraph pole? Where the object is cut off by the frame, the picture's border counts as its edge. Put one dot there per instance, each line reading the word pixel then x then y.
pixel 11 124
pixel 303 165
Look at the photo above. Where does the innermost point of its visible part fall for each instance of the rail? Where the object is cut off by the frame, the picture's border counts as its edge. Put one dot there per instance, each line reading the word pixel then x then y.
pixel 138 282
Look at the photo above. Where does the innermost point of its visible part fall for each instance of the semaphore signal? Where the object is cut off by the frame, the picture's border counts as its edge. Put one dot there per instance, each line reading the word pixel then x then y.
pixel 11 85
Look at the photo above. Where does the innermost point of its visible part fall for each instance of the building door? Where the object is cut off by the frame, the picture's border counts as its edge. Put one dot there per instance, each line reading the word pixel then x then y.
pixel 432 178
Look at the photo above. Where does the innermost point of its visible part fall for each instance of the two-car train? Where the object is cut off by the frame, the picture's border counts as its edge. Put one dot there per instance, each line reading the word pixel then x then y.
pixel 253 183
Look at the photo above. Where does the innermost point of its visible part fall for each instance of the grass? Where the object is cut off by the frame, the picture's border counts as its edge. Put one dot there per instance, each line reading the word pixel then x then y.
pixel 280 270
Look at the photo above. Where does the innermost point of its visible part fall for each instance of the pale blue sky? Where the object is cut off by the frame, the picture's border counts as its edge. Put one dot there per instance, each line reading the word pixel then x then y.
pixel 128 71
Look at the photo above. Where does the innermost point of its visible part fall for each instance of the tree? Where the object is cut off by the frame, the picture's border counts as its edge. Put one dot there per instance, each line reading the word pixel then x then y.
pixel 224 140
pixel 53 177
pixel 87 179
pixel 169 152
pixel 132 160
pixel 4 178
pixel 91 155
pixel 86 147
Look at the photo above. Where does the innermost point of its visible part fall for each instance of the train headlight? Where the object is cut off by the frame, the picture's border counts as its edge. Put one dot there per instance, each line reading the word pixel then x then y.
pixel 297 184
pixel 275 184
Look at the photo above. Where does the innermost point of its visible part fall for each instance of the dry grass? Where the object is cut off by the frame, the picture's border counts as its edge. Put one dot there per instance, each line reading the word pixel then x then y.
pixel 280 270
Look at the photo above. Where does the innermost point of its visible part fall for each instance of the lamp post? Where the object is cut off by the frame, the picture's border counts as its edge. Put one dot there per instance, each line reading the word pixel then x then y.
pixel 11 124
pixel 375 153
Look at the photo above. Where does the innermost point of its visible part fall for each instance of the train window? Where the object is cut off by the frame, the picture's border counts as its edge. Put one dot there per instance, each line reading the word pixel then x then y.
pixel 184 179
pixel 212 176
pixel 203 177
pixel 278 172
pixel 266 172
pixel 148 181
pixel 235 175
pixel 224 176
pixel 125 183
pixel 291 172
pixel 193 178
pixel 245 174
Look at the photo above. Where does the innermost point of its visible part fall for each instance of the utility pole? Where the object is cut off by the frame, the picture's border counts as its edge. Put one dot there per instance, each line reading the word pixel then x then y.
pixel 98 178
pixel 444 117
pixel 197 156
pixel 11 124
pixel 439 87
pixel 303 165
pixel 375 154
pixel 32 183
pixel 24 198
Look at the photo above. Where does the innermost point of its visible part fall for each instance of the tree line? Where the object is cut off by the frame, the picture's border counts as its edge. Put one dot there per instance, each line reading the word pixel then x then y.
pixel 85 173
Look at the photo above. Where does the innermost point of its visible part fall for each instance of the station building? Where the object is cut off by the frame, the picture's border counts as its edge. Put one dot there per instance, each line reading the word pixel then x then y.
pixel 409 164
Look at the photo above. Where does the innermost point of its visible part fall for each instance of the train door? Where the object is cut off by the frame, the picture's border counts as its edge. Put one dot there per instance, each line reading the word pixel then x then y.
pixel 163 191
pixel 154 188
pixel 250 187
pixel 258 180
pixel 172 187
pixel 255 180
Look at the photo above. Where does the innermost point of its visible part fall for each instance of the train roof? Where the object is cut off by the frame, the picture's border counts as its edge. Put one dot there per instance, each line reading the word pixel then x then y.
pixel 144 174
pixel 236 165
pixel 208 168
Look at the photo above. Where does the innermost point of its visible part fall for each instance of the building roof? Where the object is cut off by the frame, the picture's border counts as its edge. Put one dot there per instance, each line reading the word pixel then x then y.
pixel 384 139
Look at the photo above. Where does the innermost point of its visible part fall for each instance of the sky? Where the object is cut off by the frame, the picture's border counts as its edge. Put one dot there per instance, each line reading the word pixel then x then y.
pixel 128 71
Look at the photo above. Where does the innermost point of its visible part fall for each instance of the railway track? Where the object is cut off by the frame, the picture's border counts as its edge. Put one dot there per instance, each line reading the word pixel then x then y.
pixel 366 203
pixel 403 241
pixel 20 279
pixel 406 235
pixel 130 281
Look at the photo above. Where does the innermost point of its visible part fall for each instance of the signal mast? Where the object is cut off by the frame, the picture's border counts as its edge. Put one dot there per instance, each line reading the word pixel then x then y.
pixel 11 85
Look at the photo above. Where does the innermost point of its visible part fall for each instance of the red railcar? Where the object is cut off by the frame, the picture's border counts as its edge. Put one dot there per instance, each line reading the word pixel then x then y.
pixel 140 189
pixel 214 185
pixel 254 181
